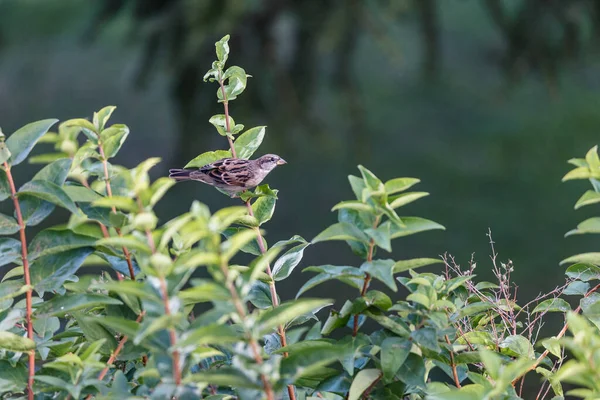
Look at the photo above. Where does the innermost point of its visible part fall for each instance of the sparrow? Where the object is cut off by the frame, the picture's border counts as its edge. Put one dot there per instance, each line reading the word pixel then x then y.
pixel 231 175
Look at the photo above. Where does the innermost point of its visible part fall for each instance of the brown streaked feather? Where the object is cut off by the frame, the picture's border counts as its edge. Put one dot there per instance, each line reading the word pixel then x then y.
pixel 228 171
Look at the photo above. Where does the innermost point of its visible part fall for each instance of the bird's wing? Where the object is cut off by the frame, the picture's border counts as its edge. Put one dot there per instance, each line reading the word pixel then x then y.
pixel 228 171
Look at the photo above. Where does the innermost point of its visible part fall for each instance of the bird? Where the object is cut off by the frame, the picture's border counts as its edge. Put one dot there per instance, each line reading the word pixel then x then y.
pixel 231 175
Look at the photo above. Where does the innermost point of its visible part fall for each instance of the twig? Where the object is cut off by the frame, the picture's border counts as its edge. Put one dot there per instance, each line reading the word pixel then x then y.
pixel 126 252
pixel 28 294
pixel 367 280
pixel 453 364
pixel 165 296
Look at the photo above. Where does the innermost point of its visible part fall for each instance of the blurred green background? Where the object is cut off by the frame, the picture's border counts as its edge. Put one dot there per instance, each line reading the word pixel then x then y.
pixel 484 101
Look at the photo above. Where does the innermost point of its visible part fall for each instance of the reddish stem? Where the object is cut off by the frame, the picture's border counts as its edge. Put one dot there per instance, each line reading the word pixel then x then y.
pixel 226 107
pixel 453 364
pixel 115 353
pixel 274 297
pixel 236 300
pixel 28 294
pixel 165 296
pixel 126 252
pixel 367 280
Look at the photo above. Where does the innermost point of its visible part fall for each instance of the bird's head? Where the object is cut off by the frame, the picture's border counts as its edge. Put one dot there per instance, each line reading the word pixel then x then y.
pixel 269 161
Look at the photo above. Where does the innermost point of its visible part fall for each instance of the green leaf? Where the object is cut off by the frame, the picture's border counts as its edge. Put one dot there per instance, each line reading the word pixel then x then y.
pixel 577 288
pixel 388 323
pixel 353 205
pixel 413 225
pixel 236 83
pixel 113 138
pixel 13 378
pixel 223 377
pixel 222 49
pixel 81 194
pixel 207 158
pixel 517 345
pixel 204 291
pixel 93 331
pixel 10 341
pixel 349 275
pixel 248 142
pixel 381 270
pixel 591 225
pixel 381 236
pixel 552 344
pixel 101 117
pixel 427 338
pixel 412 372
pixel 400 184
pixel 120 325
pixel 129 241
pixel 394 351
pixel 285 265
pixel 263 208
pixel 583 271
pixel 341 231
pixel 8 225
pixel 577 173
pixel 309 357
pixel 406 198
pixel 219 122
pixel 4 151
pixel 363 380
pixel 51 241
pixel 371 181
pixel 48 191
pixel 49 273
pixel 358 187
pixel 236 242
pixel 405 265
pixel 22 140
pixel 552 305
pixel 589 197
pixel 33 208
pixel 10 250
pixel 214 334
pixel 5 192
pixel 119 202
pixel 287 311
pixel 151 326
pixel 592 158
pixel 129 287
pixel 68 303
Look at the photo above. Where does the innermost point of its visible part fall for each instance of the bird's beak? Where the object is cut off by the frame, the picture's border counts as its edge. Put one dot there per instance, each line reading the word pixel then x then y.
pixel 281 161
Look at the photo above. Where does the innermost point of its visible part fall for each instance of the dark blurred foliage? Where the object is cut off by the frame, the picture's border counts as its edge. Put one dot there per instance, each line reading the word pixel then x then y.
pixel 484 100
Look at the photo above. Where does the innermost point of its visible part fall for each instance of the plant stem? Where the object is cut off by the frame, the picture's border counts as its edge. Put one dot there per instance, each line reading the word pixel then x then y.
pixel 115 353
pixel 367 280
pixel 273 290
pixel 453 364
pixel 126 252
pixel 261 244
pixel 239 307
pixel 164 291
pixel 226 108
pixel 28 294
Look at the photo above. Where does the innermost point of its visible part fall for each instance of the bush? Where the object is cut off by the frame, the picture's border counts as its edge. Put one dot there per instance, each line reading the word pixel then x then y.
pixel 136 332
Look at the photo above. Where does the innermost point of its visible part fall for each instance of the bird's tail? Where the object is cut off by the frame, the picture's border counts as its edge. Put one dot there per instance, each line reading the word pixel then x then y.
pixel 180 174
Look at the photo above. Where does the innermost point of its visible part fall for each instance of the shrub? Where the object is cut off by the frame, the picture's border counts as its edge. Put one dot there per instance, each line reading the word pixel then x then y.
pixel 136 331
